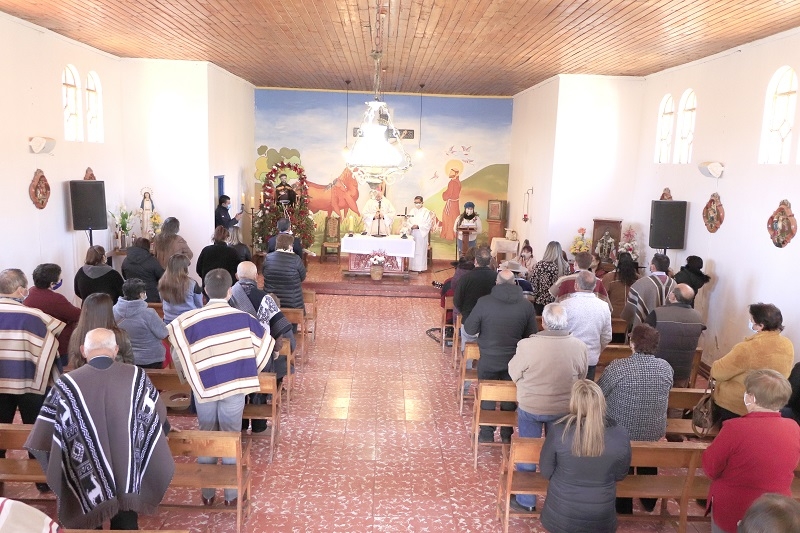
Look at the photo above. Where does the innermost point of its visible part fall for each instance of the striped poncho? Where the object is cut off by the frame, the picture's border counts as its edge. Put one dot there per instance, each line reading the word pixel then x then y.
pixel 28 347
pixel 220 350
pixel 100 437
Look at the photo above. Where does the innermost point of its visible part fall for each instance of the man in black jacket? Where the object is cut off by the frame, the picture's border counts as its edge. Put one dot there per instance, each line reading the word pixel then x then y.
pixel 221 215
pixel 500 319
pixel 284 227
pixel 472 286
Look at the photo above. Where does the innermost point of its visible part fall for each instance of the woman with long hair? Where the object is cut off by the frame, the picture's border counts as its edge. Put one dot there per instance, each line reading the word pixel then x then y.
pixel 235 242
pixel 545 273
pixel 168 242
pixel 526 259
pixel 179 293
pixel 584 455
pixel 618 282
pixel 96 276
pixel 98 312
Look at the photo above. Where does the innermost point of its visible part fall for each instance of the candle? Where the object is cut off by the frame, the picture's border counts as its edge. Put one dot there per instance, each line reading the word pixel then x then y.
pixel 252 201
pixel 351 223
pixel 242 198
pixel 262 197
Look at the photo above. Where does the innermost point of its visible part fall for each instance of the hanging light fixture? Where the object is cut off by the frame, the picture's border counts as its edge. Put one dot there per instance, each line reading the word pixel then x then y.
pixel 346 149
pixel 420 153
pixel 378 152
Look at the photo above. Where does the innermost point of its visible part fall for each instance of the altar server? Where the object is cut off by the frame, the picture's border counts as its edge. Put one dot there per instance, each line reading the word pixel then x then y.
pixel 420 220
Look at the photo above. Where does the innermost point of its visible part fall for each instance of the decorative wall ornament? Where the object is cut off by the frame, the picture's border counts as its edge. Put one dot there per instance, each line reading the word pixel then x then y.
pixel 89 176
pixel 39 189
pixel 666 194
pixel 782 225
pixel 713 213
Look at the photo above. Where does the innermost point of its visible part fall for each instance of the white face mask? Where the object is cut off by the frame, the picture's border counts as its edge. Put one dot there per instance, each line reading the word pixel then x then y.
pixel 526 255
pixel 752 326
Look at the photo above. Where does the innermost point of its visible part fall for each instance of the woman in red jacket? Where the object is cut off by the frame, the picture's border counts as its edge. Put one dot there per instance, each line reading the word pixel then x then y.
pixel 753 454
pixel 43 296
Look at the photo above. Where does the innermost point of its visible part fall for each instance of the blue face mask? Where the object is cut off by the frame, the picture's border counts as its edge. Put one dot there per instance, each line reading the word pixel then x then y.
pixel 227 206
pixel 57 285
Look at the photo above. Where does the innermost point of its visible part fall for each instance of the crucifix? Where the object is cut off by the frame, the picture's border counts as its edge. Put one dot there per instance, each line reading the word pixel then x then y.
pixel 404 228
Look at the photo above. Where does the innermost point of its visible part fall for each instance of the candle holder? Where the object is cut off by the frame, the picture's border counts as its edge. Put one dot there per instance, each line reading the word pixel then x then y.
pixel 253 228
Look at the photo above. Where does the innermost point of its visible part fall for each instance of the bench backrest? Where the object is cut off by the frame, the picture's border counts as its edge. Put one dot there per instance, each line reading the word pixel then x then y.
pixel 269 381
pixel 684 398
pixel 294 316
pixel 471 351
pixel 13 436
pixel 448 303
pixel 196 443
pixel 166 379
pixel 496 391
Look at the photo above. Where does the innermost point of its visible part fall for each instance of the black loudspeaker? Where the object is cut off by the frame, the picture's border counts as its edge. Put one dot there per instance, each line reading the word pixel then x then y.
pixel 668 224
pixel 88 202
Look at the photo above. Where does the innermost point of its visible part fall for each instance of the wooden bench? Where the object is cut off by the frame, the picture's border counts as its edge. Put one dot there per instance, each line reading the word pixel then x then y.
pixel 268 411
pixel 310 302
pixel 175 394
pixel 448 306
pixel 456 339
pixel 195 443
pixel 468 375
pixel 297 317
pixel 492 391
pixel 22 470
pixel 658 454
pixel 612 352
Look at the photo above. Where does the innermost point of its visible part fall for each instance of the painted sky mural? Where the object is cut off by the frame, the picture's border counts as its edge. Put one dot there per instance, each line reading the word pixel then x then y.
pixel 471 134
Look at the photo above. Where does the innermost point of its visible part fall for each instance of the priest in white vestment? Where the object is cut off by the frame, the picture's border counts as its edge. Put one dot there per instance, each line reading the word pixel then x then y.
pixel 378 214
pixel 419 221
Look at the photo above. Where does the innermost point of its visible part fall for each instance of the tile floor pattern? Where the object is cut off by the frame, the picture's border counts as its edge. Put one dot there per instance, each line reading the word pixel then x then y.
pixel 374 441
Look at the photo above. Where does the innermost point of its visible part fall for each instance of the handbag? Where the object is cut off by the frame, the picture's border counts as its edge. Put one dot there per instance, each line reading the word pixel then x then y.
pixel 703 413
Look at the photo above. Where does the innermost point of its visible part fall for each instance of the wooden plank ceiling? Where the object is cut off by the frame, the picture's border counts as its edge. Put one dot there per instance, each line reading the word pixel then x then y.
pixel 467 47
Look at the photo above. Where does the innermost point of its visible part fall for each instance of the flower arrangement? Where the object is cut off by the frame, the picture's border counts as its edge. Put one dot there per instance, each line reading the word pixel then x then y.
pixel 580 243
pixel 629 243
pixel 377 258
pixel 155 223
pixel 123 221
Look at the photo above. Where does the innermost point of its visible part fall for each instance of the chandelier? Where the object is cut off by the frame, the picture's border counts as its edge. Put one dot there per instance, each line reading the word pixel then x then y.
pixel 378 152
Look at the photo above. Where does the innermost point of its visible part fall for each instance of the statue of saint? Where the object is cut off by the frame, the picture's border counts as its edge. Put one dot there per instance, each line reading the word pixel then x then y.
pixel 605 247
pixel 284 193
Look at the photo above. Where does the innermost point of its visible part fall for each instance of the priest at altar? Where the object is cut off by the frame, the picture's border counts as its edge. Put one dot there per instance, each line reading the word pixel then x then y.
pixel 378 214
pixel 418 226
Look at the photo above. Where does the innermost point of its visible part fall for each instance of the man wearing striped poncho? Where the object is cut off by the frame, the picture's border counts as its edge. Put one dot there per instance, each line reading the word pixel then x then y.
pixel 220 350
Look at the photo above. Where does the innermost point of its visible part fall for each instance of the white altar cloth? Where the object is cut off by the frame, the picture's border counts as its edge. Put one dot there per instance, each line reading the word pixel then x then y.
pixel 366 244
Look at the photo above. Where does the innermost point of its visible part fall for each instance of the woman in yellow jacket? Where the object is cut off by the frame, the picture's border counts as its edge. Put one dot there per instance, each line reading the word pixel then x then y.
pixel 766 349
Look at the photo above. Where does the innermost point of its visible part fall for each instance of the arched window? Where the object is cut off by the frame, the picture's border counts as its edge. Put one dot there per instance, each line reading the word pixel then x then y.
pixel 687 110
pixel 94 109
pixel 70 96
pixel 666 119
pixel 779 107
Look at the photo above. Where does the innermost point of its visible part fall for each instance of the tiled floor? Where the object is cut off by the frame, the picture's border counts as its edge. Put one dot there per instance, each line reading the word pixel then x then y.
pixel 374 441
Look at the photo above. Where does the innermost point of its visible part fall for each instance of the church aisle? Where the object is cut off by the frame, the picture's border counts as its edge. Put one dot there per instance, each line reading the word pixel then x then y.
pixel 374 441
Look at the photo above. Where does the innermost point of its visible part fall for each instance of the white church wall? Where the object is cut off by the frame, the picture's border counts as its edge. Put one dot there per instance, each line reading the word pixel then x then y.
pixel 594 165
pixel 32 60
pixel 231 123
pixel 166 135
pixel 744 264
pixel 533 128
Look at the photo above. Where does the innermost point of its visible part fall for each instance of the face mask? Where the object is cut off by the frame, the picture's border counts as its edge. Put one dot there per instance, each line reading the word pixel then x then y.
pixel 57 285
pixel 227 206
pixel 526 255
pixel 744 399
pixel 417 205
pixel 751 326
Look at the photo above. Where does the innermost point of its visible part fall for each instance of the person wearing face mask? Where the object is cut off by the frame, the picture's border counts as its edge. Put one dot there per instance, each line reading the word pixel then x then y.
pixel 25 366
pixel 526 259
pixel 765 349
pixel 221 215
pixel 43 296
pixel 754 454
pixel 420 220
pixel 469 219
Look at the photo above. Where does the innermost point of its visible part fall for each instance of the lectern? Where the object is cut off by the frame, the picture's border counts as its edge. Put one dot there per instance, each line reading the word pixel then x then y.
pixel 466 231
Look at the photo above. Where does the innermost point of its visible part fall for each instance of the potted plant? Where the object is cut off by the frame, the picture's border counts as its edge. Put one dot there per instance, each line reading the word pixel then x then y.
pixel 376 262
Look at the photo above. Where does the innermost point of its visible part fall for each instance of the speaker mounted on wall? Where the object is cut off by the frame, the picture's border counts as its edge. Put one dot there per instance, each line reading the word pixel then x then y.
pixel 87 201
pixel 667 225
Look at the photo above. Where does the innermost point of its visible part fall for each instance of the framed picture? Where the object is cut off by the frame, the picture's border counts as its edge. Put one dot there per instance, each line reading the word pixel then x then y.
pixel 605 238
pixel 496 210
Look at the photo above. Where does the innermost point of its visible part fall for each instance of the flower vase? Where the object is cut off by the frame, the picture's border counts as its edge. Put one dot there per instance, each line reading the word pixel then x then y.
pixel 376 272
pixel 123 241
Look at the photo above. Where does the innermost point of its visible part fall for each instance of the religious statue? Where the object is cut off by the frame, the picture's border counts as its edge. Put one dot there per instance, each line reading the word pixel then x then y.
pixel 284 193
pixel 666 194
pixel 39 189
pixel 782 225
pixel 605 247
pixel 147 208
pixel 713 213
pixel 89 175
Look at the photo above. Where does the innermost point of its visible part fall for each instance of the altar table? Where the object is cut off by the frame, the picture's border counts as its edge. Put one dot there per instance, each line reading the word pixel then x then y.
pixel 361 247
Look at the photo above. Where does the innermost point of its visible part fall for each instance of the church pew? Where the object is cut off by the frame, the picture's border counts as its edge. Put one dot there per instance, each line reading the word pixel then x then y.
pixel 267 411
pixel 681 487
pixel 612 352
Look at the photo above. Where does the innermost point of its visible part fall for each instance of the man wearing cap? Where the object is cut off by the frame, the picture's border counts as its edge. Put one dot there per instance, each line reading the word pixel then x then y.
pixel 468 220
pixel 419 220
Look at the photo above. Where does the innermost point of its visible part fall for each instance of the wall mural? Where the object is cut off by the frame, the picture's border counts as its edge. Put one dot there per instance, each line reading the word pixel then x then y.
pixel 466 153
